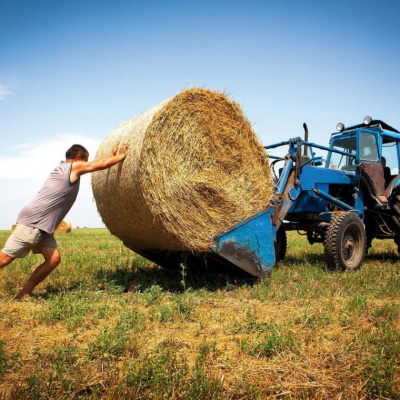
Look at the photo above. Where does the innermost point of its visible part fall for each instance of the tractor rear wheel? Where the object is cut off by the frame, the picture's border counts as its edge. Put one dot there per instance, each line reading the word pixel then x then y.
pixel 397 241
pixel 345 242
pixel 280 245
pixel 395 204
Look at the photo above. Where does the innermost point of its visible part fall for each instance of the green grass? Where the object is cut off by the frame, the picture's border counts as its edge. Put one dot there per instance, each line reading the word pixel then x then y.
pixel 109 324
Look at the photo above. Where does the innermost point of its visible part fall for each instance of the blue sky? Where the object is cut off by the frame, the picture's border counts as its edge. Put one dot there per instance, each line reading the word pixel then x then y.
pixel 78 69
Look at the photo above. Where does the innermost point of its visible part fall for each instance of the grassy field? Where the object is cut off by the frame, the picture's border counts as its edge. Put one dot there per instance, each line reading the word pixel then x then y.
pixel 109 324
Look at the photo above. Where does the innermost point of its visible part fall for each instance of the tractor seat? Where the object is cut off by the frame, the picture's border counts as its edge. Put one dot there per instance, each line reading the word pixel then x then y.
pixel 388 175
pixel 372 176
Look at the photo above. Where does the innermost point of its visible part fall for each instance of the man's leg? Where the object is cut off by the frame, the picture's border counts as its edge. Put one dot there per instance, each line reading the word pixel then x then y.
pixel 5 259
pixel 52 260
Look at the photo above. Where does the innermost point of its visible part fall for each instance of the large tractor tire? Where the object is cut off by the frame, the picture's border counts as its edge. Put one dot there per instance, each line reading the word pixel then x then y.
pixel 280 245
pixel 397 242
pixel 345 242
pixel 395 205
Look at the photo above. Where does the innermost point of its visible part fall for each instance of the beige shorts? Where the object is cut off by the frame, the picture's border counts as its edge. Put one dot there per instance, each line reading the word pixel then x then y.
pixel 25 238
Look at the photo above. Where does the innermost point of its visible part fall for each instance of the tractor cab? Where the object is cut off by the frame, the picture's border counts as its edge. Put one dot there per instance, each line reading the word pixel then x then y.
pixel 354 199
pixel 372 150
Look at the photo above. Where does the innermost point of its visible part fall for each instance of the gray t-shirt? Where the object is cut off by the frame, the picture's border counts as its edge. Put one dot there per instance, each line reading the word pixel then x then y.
pixel 53 201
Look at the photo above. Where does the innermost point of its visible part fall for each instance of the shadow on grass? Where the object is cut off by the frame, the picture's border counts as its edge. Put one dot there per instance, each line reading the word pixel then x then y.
pixel 142 275
pixel 310 258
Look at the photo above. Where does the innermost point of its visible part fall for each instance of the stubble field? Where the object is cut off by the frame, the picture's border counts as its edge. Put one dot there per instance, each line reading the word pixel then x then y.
pixel 109 324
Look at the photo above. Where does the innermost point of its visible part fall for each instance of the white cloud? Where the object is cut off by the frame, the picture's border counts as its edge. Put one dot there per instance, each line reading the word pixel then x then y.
pixel 4 92
pixel 36 160
pixel 22 175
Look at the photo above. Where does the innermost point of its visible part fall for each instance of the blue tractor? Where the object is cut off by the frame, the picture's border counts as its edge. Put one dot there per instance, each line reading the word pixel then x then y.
pixel 344 201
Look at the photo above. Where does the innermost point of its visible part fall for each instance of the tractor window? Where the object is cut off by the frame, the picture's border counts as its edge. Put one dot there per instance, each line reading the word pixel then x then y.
pixel 390 156
pixel 341 161
pixel 368 147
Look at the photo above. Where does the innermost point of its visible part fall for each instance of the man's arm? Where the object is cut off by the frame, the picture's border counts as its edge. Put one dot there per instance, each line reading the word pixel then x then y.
pixel 83 167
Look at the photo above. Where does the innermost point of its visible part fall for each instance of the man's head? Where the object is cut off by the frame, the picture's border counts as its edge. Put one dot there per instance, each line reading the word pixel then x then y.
pixel 77 152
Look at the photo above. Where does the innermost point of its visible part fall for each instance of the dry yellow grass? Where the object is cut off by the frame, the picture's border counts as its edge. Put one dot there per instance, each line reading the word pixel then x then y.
pixel 110 325
pixel 322 362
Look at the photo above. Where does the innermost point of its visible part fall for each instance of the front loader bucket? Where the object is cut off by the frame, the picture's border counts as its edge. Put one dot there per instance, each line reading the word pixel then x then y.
pixel 249 244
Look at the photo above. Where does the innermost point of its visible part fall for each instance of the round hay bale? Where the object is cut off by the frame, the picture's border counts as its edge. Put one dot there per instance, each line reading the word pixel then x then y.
pixel 194 167
pixel 64 227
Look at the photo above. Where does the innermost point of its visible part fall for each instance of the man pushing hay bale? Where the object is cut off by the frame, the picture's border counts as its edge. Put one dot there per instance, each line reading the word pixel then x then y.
pixel 194 167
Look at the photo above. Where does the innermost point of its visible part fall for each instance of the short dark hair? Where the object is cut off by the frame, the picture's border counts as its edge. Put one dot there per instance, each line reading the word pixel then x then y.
pixel 75 150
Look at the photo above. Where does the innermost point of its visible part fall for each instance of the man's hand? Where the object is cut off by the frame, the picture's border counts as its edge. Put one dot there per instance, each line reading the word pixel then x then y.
pixel 124 148
pixel 80 168
pixel 119 148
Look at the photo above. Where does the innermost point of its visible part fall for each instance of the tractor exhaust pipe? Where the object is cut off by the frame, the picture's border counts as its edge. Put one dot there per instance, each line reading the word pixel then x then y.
pixel 305 138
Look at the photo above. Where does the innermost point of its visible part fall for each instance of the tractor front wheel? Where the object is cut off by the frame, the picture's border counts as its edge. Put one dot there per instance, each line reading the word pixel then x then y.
pixel 345 242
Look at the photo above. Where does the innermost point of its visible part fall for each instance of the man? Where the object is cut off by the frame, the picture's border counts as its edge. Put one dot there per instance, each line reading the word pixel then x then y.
pixel 37 221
